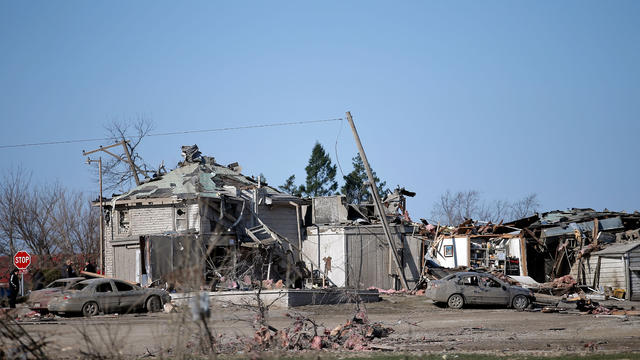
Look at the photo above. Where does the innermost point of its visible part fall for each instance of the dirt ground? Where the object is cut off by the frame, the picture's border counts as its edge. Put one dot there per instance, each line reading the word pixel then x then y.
pixel 419 327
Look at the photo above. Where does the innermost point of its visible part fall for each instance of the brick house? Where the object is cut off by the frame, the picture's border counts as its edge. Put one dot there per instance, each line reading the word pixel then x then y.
pixel 196 217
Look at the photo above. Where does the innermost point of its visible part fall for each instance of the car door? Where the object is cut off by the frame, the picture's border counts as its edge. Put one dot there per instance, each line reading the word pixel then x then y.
pixel 130 296
pixel 106 296
pixel 470 289
pixel 493 291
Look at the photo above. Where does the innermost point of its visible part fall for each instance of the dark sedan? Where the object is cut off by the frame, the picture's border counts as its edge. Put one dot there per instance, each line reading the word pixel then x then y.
pixel 459 289
pixel 90 297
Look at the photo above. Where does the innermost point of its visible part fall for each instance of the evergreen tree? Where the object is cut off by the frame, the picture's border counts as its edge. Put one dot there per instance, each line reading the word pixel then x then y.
pixel 290 187
pixel 356 187
pixel 320 174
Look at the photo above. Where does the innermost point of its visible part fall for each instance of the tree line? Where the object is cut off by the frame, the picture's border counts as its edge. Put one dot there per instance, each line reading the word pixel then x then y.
pixel 321 179
pixel 46 220
pixel 454 208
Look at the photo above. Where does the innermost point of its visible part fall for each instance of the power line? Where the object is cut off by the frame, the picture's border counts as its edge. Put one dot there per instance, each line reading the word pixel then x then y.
pixel 174 133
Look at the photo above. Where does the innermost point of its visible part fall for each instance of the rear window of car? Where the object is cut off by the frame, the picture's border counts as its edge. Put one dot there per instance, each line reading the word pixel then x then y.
pixel 56 284
pixel 78 286
pixel 123 286
pixel 104 287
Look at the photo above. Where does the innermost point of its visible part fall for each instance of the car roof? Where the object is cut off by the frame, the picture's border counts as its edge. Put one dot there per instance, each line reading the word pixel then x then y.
pixel 467 273
pixel 70 279
pixel 95 281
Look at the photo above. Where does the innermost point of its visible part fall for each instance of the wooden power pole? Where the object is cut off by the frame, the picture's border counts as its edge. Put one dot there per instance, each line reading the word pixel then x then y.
pixel 101 248
pixel 378 203
pixel 134 169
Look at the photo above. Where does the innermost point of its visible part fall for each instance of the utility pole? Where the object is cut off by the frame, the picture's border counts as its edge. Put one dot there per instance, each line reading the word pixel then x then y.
pixel 378 203
pixel 101 251
pixel 134 169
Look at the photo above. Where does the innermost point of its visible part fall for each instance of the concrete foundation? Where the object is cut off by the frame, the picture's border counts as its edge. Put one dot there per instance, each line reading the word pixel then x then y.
pixel 282 298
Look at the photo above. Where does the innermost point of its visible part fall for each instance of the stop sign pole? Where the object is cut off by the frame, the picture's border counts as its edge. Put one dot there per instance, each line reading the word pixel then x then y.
pixel 22 260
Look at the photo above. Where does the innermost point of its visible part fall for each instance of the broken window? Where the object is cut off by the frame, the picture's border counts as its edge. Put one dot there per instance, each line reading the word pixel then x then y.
pixel 123 221
pixel 181 218
pixel 470 281
pixel 104 287
pixel 123 286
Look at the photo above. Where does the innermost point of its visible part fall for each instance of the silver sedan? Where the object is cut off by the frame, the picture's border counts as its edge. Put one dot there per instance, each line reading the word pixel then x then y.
pixel 90 297
pixel 459 289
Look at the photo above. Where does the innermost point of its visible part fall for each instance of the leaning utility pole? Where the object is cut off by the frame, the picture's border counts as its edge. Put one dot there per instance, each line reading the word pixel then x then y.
pixel 101 251
pixel 128 160
pixel 134 169
pixel 378 203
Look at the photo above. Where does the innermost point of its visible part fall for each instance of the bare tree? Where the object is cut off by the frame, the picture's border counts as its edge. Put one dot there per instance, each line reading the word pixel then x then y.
pixel 117 174
pixel 34 222
pixel 76 224
pixel 46 219
pixel 496 211
pixel 454 208
pixel 11 191
pixel 524 207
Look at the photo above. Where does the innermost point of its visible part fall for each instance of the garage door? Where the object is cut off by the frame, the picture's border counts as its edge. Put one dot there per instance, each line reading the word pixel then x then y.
pixel 126 262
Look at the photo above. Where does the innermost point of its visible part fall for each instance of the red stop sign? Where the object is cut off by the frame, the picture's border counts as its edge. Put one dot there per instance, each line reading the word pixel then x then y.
pixel 22 260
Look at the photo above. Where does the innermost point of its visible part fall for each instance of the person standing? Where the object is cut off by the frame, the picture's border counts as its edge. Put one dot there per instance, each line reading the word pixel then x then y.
pixel 68 271
pixel 14 288
pixel 89 267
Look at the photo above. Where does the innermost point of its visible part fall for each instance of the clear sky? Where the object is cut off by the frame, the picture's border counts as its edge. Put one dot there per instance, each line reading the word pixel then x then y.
pixel 505 97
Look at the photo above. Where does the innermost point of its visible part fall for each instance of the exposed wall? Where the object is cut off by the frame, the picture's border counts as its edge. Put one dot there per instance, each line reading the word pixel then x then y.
pixel 331 244
pixel 370 261
pixel 281 219
pixel 634 274
pixel 360 255
pixel 459 256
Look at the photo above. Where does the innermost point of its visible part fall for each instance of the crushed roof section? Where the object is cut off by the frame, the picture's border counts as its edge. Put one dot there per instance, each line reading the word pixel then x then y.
pixel 198 179
pixel 618 248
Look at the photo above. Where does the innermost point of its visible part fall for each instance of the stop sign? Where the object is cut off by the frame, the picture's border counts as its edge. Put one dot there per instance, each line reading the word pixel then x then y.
pixel 22 260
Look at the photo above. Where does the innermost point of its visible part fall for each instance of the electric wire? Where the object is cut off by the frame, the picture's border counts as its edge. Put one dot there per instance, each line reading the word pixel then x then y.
pixel 73 141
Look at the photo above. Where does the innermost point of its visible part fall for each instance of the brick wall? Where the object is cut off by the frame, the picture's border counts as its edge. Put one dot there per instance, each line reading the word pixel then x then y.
pixel 146 220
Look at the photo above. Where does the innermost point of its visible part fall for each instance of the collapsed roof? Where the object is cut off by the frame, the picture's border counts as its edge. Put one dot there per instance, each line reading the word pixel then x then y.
pixel 200 177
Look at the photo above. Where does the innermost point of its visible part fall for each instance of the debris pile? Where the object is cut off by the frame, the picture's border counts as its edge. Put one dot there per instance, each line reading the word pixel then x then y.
pixel 305 334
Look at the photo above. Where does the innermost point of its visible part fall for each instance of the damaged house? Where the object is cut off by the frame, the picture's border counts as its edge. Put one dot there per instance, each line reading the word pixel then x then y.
pixel 346 242
pixel 205 222
pixel 492 247
pixel 598 249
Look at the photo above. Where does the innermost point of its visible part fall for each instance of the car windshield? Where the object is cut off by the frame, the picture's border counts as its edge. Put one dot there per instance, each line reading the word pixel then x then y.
pixel 78 286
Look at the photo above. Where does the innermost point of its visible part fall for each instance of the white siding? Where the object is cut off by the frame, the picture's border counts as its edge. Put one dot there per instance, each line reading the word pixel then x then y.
pixel 612 272
pixel 151 220
pixel 193 217
pixel 634 273
pixel 331 244
pixel 460 252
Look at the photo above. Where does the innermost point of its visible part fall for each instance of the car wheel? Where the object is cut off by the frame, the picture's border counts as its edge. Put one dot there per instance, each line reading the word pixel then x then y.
pixel 154 304
pixel 90 309
pixel 456 301
pixel 520 302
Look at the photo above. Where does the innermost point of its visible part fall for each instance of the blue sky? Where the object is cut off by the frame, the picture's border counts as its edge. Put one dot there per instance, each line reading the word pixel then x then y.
pixel 505 97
